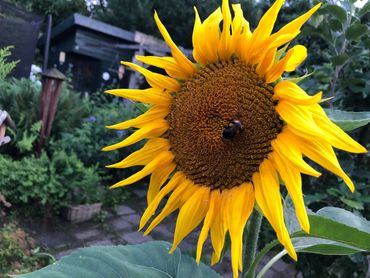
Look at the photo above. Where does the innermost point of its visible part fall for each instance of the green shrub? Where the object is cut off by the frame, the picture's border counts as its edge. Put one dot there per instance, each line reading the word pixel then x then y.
pixel 50 184
pixel 6 67
pixel 18 253
pixel 20 97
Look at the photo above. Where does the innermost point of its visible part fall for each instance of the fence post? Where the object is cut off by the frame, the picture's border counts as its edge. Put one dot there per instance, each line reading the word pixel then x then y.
pixel 52 81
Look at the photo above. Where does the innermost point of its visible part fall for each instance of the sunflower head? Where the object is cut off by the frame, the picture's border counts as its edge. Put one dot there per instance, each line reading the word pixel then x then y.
pixel 222 130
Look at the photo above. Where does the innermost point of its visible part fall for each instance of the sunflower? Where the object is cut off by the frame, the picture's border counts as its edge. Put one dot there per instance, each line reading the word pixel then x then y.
pixel 222 130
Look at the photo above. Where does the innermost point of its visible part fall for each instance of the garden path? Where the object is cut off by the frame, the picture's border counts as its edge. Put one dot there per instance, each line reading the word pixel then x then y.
pixel 63 237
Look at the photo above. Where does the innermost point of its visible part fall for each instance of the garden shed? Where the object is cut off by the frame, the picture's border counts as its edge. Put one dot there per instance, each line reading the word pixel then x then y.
pixel 92 50
pixel 19 29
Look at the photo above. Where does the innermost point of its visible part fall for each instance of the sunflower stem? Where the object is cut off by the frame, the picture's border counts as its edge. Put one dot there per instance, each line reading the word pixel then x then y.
pixel 250 241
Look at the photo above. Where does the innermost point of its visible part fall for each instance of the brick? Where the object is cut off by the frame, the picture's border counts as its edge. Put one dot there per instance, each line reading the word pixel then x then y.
pixel 123 210
pixel 120 224
pixel 86 234
pixel 135 237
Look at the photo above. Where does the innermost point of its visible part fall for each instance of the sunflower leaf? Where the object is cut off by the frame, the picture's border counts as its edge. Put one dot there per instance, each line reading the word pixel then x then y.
pixel 150 259
pixel 348 120
pixel 322 246
pixel 338 226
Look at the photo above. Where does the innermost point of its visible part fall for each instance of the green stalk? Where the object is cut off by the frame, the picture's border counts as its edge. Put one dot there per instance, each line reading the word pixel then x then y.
pixel 250 241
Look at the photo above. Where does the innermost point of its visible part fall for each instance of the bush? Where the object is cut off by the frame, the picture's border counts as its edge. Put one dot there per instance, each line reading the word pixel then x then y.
pixel 49 183
pixel 21 99
pixel 88 140
pixel 18 253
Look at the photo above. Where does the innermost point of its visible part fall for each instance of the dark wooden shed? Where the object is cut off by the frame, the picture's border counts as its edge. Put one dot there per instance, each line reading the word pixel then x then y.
pixel 20 29
pixel 92 50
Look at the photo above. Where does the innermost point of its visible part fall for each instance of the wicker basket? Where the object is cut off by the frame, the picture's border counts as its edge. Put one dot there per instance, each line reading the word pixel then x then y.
pixel 80 213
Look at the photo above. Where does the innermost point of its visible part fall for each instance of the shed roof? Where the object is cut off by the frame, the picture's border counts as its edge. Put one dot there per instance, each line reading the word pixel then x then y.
pixel 92 24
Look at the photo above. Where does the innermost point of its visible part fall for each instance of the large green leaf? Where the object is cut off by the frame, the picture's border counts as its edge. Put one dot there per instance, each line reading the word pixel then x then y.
pixel 348 120
pixel 322 246
pixel 356 31
pixel 150 259
pixel 338 12
pixel 334 231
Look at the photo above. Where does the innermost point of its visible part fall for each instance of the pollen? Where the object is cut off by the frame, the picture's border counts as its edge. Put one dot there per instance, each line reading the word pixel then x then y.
pixel 206 106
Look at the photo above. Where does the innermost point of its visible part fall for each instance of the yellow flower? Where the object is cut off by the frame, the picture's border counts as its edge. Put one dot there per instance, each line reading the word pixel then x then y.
pixel 224 129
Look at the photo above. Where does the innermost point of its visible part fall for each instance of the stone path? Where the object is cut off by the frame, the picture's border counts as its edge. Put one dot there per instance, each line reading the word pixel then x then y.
pixel 63 237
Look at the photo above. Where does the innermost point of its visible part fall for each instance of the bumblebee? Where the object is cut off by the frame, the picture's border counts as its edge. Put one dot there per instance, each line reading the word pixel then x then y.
pixel 230 131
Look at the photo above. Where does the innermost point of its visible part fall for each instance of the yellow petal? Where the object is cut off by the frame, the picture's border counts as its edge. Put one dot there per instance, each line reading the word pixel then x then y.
pixel 293 183
pixel 205 51
pixel 154 129
pixel 224 47
pixel 289 91
pixel 335 135
pixel 162 159
pixel 169 64
pixel 157 179
pixel 324 155
pixel 177 179
pixel 286 146
pixel 295 25
pixel 146 154
pixel 277 70
pixel 219 227
pixel 241 203
pixel 155 113
pixel 191 214
pixel 267 190
pixel 156 80
pixel 298 56
pixel 182 61
pixel 241 32
pixel 300 119
pixel 214 205
pixel 178 197
pixel 264 28
pixel 151 95
pixel 266 61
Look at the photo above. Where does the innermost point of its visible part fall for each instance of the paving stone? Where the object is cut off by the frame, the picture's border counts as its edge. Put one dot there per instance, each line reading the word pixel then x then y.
pixel 103 242
pixel 133 218
pixel 123 210
pixel 141 193
pixel 86 234
pixel 161 232
pixel 120 224
pixel 55 240
pixel 63 253
pixel 135 237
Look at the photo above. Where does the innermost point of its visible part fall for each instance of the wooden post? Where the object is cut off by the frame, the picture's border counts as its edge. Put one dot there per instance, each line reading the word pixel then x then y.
pixel 52 81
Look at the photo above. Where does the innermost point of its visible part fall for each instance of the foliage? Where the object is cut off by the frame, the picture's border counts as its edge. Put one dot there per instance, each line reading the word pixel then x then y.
pixel 17 251
pixel 6 67
pixel 21 99
pixel 49 183
pixel 88 140
pixel 150 259
pixel 59 9
pixel 36 183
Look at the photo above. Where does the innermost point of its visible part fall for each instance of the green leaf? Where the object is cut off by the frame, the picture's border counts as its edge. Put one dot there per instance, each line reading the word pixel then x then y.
pixel 352 203
pixel 150 259
pixel 339 59
pixel 338 12
pixel 348 120
pixel 341 226
pixel 355 31
pixel 316 20
pixel 364 10
pixel 322 246
pixel 298 79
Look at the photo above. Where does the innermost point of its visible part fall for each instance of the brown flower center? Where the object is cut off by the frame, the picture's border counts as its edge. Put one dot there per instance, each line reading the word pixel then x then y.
pixel 222 122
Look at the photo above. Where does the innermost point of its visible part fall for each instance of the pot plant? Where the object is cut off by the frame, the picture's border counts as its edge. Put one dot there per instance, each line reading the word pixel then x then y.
pixel 85 193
